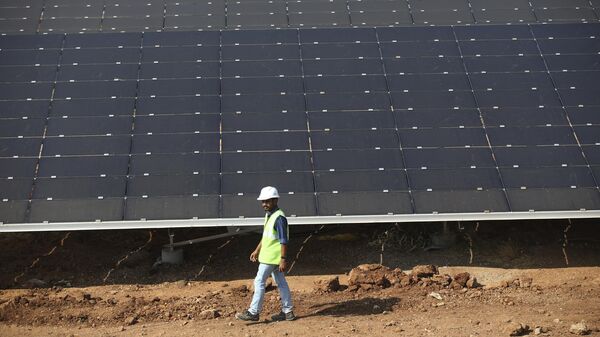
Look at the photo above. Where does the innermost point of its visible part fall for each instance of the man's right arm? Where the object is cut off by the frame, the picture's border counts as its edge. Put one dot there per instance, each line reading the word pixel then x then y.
pixel 254 254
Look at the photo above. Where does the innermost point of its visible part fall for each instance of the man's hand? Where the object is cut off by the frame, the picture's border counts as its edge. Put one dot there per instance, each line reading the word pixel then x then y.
pixel 254 256
pixel 282 265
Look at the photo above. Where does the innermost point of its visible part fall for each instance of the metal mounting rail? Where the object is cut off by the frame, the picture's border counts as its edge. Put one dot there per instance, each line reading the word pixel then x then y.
pixel 300 220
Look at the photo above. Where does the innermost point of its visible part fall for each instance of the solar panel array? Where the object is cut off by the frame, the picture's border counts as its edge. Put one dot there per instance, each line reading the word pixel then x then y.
pixel 53 16
pixel 412 120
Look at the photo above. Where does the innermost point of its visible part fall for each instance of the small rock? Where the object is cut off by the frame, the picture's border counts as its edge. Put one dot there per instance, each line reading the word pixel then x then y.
pixel 87 296
pixel 181 283
pixel 580 329
pixel 390 323
pixel 376 308
pixel 525 282
pixel 519 330
pixel 122 328
pixel 131 320
pixel 209 314
pixel 537 331
pixel 442 280
pixel 472 283
pixel 427 270
pixel 436 295
pixel 331 284
pixel 462 278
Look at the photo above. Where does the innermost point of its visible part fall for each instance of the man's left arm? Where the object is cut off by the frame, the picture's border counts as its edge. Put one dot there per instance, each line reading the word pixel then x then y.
pixel 281 226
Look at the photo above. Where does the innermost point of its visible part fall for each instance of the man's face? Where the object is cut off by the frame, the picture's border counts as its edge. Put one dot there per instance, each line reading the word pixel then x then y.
pixel 269 204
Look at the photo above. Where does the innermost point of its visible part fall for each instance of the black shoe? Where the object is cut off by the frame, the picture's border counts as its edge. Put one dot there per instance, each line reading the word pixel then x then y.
pixel 246 316
pixel 284 316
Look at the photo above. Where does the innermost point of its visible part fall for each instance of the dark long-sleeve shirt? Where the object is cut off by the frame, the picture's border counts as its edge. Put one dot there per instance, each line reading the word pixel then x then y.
pixel 281 227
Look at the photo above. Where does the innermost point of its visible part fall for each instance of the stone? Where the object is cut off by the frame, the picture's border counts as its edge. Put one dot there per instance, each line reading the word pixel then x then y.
pixel 427 270
pixel 525 282
pixel 209 314
pixel 369 274
pixel 519 330
pixel 580 329
pixel 472 283
pixel 442 280
pixel 131 320
pixel 329 285
pixel 462 278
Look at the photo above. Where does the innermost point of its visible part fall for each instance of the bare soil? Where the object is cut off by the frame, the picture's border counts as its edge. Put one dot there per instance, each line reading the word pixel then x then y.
pixel 107 283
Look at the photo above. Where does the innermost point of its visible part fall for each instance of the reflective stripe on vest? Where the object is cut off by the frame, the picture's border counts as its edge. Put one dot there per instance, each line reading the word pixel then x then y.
pixel 270 251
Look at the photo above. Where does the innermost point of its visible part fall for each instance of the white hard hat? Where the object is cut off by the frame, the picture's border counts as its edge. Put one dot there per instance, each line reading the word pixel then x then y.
pixel 268 192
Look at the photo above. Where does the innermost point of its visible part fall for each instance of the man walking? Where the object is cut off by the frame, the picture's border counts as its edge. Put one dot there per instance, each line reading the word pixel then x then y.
pixel 271 254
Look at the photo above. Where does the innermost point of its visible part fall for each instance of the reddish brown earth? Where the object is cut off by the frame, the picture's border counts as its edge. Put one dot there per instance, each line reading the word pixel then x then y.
pixel 75 286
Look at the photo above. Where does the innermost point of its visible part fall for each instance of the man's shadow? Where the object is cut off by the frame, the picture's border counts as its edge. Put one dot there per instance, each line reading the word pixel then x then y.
pixel 359 307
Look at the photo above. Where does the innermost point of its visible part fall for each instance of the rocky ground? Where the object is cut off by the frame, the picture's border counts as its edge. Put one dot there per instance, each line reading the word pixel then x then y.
pixel 509 281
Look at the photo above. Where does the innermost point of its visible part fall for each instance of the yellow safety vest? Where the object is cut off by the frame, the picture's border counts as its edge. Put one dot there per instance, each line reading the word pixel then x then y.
pixel 270 251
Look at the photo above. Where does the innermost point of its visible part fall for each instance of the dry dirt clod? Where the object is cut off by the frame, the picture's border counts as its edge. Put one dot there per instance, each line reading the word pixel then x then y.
pixel 580 329
pixel 436 295
pixel 462 278
pixel 427 270
pixel 329 285
pixel 209 314
pixel 131 320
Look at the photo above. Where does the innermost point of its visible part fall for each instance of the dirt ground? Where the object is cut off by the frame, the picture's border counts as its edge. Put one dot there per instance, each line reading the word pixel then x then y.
pixel 109 283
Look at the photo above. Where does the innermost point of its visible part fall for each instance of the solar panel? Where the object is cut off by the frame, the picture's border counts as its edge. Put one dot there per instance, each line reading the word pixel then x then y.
pixel 344 121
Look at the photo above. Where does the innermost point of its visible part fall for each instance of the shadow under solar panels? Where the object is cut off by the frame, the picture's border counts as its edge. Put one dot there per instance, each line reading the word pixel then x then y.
pixel 175 143
pixel 553 199
pixel 263 122
pixel 286 182
pixel 358 159
pixel 79 187
pixel 446 158
pixel 79 126
pixel 177 105
pixel 298 204
pixel 459 201
pixel 234 162
pixel 355 181
pixel 539 156
pixel 175 163
pixel 172 207
pixel 88 166
pixel 86 145
pixel 89 107
pixel 364 203
pixel 162 185
pixel 109 209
